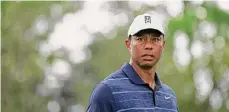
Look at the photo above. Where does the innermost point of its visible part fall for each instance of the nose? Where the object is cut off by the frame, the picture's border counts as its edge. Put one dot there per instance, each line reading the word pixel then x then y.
pixel 149 45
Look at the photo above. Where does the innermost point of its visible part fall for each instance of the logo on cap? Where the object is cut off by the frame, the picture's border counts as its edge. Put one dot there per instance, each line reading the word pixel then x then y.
pixel 147 19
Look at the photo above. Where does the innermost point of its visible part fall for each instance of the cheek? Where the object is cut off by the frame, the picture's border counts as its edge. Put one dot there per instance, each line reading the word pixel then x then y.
pixel 159 50
pixel 135 51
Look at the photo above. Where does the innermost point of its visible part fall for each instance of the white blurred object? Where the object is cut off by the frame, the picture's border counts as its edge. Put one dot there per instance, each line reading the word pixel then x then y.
pixel 182 58
pixel 45 49
pixel 207 29
pixel 203 82
pixel 197 2
pixel 96 17
pixel 174 8
pixel 208 47
pixel 77 56
pixel 216 99
pixel 77 108
pixel 197 49
pixel 56 10
pixel 201 13
pixel 61 69
pixel 111 35
pixel 74 32
pixel 135 5
pixel 181 54
pixel 53 106
pixel 121 19
pixel 223 4
pixel 40 25
pixel 68 34
pixel 181 40
pixel 52 82
pixel 42 90
pixel 152 2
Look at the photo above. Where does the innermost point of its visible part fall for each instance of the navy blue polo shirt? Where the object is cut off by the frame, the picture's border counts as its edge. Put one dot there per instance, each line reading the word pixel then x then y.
pixel 125 91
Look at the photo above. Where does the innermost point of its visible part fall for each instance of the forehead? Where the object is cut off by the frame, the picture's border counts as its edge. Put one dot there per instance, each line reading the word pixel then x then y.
pixel 152 32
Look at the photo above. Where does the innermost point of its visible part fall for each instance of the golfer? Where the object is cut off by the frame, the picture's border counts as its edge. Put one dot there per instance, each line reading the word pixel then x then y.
pixel 136 86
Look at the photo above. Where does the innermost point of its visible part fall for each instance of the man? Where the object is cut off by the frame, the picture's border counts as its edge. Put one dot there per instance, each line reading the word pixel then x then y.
pixel 136 87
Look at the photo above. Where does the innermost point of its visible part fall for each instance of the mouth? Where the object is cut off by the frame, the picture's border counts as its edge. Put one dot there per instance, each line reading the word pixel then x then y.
pixel 148 57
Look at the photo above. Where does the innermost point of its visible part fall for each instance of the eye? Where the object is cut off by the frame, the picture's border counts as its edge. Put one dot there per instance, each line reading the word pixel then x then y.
pixel 156 39
pixel 140 39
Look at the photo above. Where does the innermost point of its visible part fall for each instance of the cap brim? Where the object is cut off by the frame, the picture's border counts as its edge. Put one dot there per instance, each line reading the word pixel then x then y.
pixel 148 30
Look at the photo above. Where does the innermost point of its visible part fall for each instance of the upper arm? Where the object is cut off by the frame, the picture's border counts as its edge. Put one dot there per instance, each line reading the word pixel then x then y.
pixel 174 94
pixel 101 99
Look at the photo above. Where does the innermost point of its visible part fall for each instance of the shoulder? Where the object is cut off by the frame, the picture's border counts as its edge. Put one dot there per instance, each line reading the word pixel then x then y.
pixel 104 87
pixel 116 75
pixel 101 93
pixel 115 78
pixel 101 99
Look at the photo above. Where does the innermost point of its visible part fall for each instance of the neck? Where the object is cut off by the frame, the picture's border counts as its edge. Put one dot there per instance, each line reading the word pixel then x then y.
pixel 146 75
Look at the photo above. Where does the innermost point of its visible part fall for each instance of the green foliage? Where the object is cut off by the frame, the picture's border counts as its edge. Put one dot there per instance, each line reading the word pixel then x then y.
pixel 20 72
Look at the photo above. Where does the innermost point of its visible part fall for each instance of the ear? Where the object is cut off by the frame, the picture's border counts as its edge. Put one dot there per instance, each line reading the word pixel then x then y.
pixel 163 44
pixel 128 42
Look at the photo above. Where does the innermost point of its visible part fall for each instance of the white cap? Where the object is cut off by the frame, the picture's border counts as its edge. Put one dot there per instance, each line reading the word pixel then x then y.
pixel 145 21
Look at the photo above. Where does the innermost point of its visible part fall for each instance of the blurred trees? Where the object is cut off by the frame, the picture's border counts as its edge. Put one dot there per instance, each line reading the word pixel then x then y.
pixel 21 71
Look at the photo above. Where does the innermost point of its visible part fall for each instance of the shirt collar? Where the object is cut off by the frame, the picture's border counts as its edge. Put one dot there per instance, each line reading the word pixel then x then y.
pixel 135 78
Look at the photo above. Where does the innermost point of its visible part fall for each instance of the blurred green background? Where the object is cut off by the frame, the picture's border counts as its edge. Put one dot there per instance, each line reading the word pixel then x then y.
pixel 54 53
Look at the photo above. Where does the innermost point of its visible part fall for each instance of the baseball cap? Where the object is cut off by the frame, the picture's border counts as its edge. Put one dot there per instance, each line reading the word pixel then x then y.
pixel 145 21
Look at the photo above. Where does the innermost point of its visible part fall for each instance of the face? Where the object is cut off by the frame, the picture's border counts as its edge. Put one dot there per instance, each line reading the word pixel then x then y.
pixel 145 49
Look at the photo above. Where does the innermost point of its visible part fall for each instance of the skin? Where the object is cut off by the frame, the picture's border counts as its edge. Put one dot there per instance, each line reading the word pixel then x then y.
pixel 145 50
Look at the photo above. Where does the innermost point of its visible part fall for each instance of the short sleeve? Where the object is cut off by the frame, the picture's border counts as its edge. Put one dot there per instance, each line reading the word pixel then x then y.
pixel 101 99
pixel 174 94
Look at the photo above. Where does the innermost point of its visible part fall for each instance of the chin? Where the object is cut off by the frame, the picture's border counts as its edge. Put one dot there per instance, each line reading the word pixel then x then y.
pixel 146 65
